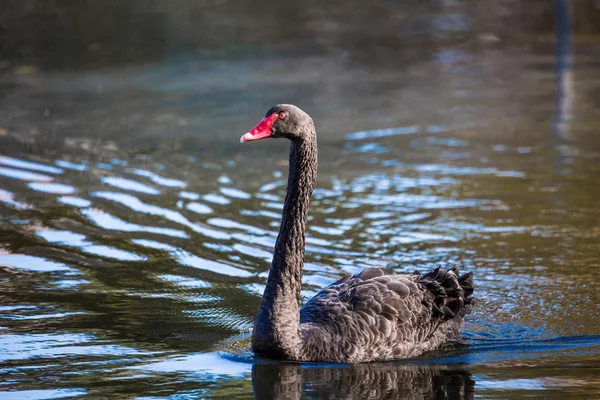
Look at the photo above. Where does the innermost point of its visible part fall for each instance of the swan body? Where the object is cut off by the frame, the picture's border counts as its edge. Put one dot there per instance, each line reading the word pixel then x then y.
pixel 379 316
pixel 372 316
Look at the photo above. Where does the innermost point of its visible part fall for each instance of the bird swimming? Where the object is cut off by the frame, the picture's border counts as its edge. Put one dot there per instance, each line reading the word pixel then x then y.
pixel 375 315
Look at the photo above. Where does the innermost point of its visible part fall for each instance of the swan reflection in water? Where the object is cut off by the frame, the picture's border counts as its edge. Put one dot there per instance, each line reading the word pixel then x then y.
pixel 362 381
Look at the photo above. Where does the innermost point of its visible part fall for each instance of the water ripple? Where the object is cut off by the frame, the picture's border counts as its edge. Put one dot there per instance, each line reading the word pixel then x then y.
pixel 67 238
pixel 9 198
pixel 159 180
pixel 22 164
pixel 24 175
pixel 189 195
pixel 71 165
pixel 32 263
pixel 199 208
pixel 110 222
pixel 48 187
pixel 193 260
pixel 235 193
pixel 216 198
pixel 174 216
pixel 129 184
pixel 74 201
pixel 22 347
pixel 379 133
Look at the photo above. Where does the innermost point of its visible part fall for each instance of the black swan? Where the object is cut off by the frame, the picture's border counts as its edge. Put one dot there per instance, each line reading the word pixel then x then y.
pixel 372 316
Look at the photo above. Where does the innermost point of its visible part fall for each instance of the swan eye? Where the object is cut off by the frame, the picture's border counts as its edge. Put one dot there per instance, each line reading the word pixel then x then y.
pixel 282 115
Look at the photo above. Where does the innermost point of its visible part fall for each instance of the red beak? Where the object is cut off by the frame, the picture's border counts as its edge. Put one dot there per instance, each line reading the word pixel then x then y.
pixel 261 131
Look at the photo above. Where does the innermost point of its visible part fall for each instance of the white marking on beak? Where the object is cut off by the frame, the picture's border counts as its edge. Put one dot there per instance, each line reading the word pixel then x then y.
pixel 245 137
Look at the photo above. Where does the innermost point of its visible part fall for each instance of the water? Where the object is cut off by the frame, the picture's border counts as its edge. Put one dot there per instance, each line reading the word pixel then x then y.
pixel 136 232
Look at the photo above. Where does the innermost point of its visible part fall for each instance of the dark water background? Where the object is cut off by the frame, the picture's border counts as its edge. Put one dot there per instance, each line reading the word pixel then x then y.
pixel 136 232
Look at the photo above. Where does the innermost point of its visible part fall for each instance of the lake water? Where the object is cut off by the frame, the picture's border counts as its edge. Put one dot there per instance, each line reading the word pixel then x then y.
pixel 136 231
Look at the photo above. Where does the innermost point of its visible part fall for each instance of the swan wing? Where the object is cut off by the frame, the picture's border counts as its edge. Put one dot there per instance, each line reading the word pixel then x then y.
pixel 378 315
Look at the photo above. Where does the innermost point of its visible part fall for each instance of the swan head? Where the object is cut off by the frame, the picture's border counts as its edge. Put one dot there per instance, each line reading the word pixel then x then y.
pixel 283 121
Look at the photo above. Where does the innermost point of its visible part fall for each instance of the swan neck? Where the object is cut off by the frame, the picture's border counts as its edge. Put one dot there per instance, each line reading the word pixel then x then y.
pixel 276 331
pixel 289 247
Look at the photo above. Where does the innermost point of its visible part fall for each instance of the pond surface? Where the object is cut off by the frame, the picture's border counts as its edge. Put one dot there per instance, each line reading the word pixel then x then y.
pixel 136 232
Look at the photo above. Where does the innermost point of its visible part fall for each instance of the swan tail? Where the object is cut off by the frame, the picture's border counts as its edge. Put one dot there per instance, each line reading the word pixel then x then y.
pixel 449 294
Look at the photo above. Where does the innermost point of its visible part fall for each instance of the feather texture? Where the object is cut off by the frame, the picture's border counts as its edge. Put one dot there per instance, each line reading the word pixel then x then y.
pixel 378 316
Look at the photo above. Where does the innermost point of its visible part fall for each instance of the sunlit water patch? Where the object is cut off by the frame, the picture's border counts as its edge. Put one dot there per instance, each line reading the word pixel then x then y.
pixel 110 222
pixel 193 260
pixel 71 239
pixel 158 179
pixel 24 175
pixel 129 184
pixel 70 165
pixel 23 164
pixel 32 263
pixel 22 347
pixel 9 198
pixel 74 201
pixel 55 188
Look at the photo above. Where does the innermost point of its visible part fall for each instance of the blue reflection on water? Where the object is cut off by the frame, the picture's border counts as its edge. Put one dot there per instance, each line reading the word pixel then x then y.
pixel 22 347
pixel 24 175
pixel 42 394
pixel 9 198
pixel 71 165
pixel 158 179
pixel 110 222
pixel 186 258
pixel 50 187
pixel 23 164
pixel 129 184
pixel 68 238
pixel 32 263
pixel 174 216
pixel 199 364
pixel 74 201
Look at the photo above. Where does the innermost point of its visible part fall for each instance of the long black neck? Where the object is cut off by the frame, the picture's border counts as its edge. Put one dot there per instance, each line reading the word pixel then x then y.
pixel 276 331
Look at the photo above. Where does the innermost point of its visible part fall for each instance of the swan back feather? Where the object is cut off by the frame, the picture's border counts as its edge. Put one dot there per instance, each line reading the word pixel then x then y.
pixel 378 316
